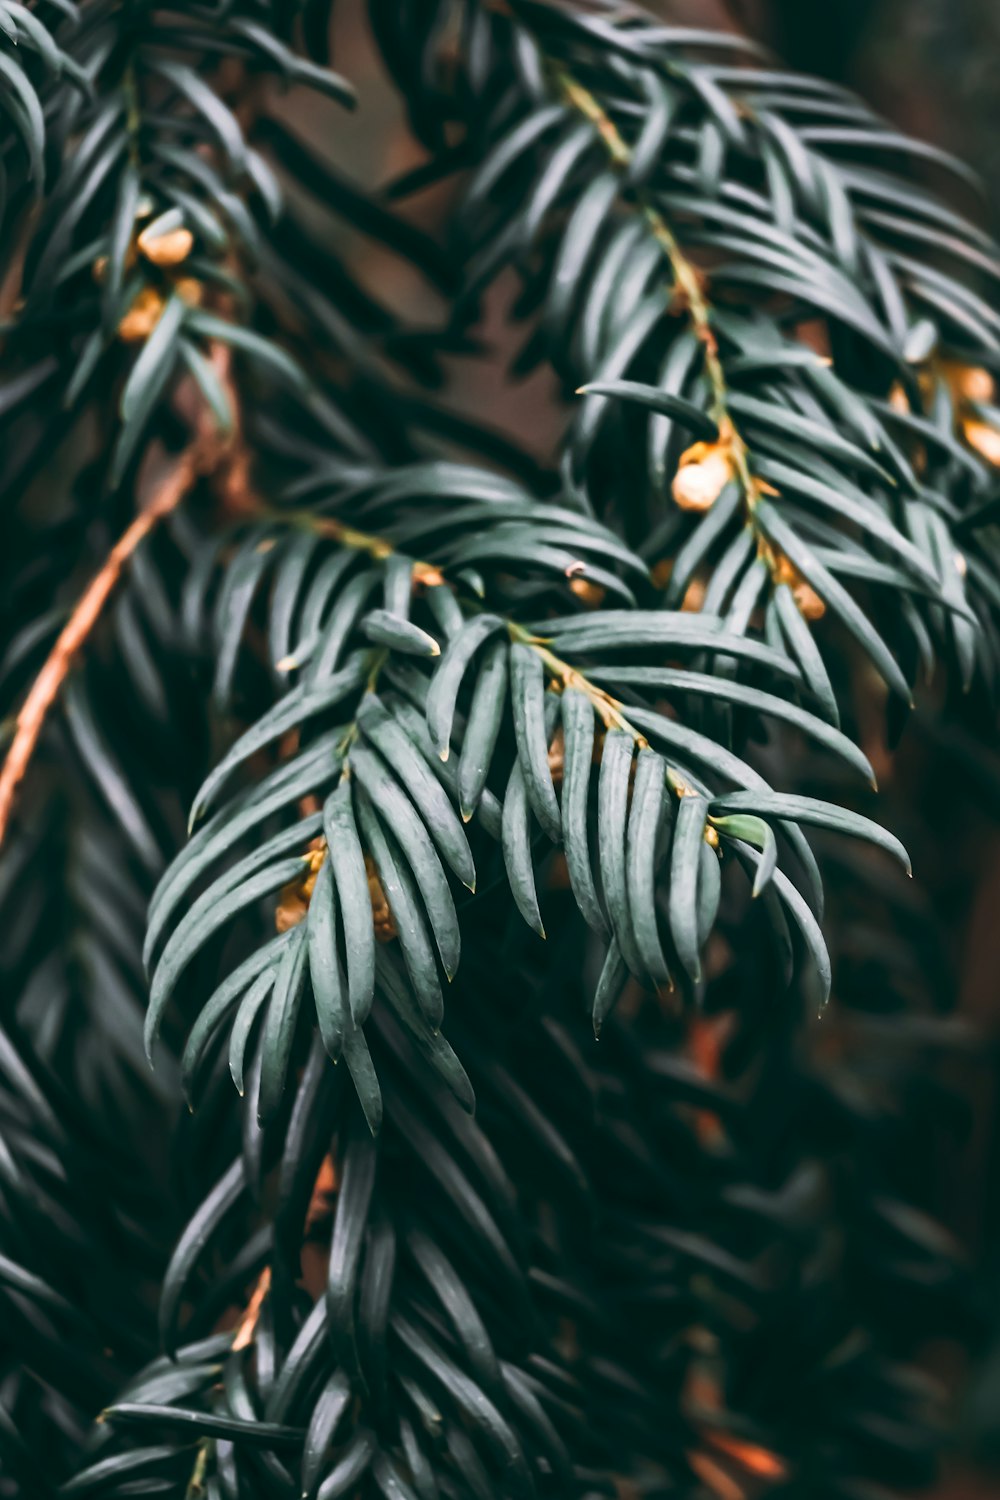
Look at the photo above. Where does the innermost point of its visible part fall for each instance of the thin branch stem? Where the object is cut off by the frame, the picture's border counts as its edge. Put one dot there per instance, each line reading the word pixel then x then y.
pixel 687 283
pixel 320 1202
pixel 610 712
pixel 196 1484
pixel 377 548
pixel 247 1326
pixel 197 459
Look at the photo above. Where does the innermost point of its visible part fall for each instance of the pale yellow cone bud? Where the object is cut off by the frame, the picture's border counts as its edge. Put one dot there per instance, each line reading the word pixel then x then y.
pixel 705 470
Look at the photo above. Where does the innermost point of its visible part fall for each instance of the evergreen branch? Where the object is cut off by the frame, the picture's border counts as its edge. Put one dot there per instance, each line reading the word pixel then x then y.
pixel 451 687
pixel 402 761
pixel 776 408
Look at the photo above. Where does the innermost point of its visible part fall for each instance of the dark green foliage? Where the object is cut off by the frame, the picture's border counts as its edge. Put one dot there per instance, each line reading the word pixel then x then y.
pixel 426 702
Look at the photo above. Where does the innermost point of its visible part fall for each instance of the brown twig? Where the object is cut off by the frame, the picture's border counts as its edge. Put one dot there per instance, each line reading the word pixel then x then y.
pixel 687 284
pixel 323 1193
pixel 245 1329
pixel 199 458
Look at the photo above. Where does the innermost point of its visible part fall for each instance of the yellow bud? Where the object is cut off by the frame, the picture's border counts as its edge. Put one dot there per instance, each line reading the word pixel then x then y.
pixel 168 249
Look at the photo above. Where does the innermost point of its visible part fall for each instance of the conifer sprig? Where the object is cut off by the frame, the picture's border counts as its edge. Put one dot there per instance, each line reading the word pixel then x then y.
pixel 428 701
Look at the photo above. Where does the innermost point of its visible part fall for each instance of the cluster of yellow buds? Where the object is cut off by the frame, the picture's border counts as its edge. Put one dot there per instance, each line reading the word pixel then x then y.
pixel 971 383
pixel 166 249
pixel 703 473
pixel 385 927
pixel 144 314
pixel 293 902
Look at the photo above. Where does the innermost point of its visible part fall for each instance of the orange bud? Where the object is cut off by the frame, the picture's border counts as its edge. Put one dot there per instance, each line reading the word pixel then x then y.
pixel 293 901
pixel 898 399
pixel 189 289
pixel 970 382
pixel 694 596
pixel 810 605
pixel 426 576
pixel 168 249
pixel 978 385
pixel 784 570
pixel 142 317
pixel 292 908
pixel 984 438
pixel 591 594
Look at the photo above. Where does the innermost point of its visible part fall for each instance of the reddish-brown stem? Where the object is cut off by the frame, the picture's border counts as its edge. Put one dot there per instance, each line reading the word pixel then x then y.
pixel 195 460
pixel 247 1326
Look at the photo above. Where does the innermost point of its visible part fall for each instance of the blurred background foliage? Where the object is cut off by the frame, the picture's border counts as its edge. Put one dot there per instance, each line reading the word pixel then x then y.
pixel 932 65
